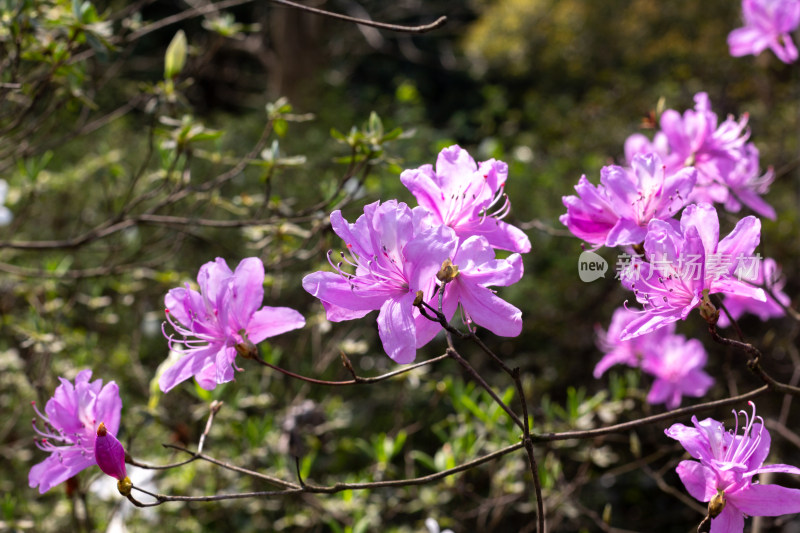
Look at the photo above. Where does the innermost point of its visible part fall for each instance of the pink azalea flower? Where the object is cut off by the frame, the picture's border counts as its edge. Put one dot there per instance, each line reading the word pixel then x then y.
pixel 477 270
pixel 725 465
pixel 768 273
pixel 590 216
pixel 695 139
pixel 219 320
pixel 394 252
pixel 644 193
pixel 619 210
pixel 629 352
pixel 682 264
pixel 767 24
pixel 70 422
pixel 462 194
pixel 678 368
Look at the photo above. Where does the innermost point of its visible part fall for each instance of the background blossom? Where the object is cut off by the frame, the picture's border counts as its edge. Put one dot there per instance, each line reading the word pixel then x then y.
pixel 223 315
pixel 69 428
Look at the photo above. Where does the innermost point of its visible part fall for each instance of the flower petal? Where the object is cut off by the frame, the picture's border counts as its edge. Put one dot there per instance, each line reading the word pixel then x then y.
pixel 335 289
pixel 704 217
pixel 189 365
pixel 271 321
pixel 397 330
pixel 742 241
pixel 57 469
pixel 698 479
pixel 489 311
pixel 422 184
pixel 766 500
pixel 730 520
pixel 246 292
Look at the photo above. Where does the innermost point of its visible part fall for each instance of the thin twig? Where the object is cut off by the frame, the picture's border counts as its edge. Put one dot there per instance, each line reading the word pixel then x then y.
pixel 358 380
pixel 438 23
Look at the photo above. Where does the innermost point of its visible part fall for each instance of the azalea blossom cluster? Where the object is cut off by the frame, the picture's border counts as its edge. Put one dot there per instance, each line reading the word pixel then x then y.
pixel 398 258
pixel 660 210
pixel 767 24
pixel 691 163
pixel 395 255
pixel 676 363
pixel 691 159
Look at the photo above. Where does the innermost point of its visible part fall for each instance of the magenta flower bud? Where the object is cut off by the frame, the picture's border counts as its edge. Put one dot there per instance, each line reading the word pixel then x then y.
pixel 109 453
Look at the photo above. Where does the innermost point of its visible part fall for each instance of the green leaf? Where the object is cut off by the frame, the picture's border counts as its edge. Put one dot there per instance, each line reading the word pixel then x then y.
pixel 423 458
pixel 175 58
pixel 281 127
pixel 394 134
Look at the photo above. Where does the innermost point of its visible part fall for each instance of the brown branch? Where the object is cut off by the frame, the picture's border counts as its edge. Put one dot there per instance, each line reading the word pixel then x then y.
pixel 357 380
pixel 669 415
pixel 317 489
pixel 754 363
pixel 178 17
pixel 438 23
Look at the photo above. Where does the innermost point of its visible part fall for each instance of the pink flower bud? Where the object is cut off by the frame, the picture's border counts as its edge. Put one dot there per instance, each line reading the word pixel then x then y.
pixel 109 453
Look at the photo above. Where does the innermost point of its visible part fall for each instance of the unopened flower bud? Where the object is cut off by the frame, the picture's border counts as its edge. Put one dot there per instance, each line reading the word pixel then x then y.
pixel 109 453
pixel 448 272
pixel 418 299
pixel 707 310
pixel 247 349
pixel 717 504
pixel 124 486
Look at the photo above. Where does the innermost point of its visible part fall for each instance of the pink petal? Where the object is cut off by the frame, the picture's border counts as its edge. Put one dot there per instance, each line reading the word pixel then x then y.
pixel 425 254
pixel 454 165
pixel 427 329
pixel 646 323
pixel 213 280
pixel 422 184
pixel 109 406
pixel 187 366
pixel 271 321
pixel 246 292
pixel 489 311
pixel 783 469
pixel 397 330
pixel 699 480
pixel 738 288
pixel 742 241
pixel 703 217
pixel 625 231
pixel 766 500
pixel 500 234
pixel 224 366
pixel 53 470
pixel 730 520
pixel 335 289
pixel 747 40
pixel 756 203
